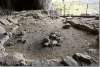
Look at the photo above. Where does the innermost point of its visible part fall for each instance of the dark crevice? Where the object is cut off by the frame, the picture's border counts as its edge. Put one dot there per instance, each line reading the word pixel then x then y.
pixel 19 5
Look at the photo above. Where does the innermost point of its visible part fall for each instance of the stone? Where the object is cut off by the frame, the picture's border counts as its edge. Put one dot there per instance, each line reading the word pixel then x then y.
pixel 2 30
pixel 9 44
pixel 83 25
pixel 82 58
pixel 54 62
pixel 54 35
pixel 37 16
pixel 45 42
pixel 21 33
pixel 37 63
pixel 15 59
pixel 66 26
pixel 5 22
pixel 54 42
pixel 69 61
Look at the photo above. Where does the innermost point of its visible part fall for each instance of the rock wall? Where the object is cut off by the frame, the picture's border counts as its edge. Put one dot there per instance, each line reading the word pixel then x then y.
pixel 25 4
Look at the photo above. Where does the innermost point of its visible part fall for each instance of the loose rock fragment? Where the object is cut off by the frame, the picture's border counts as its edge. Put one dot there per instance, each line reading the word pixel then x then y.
pixel 9 44
pixel 54 36
pixel 46 42
pixel 51 62
pixel 69 61
pixel 16 59
pixel 20 33
pixel 54 62
pixel 66 26
pixel 82 58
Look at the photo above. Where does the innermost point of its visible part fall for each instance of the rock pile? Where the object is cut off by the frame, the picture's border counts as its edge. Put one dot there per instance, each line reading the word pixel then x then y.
pixel 53 40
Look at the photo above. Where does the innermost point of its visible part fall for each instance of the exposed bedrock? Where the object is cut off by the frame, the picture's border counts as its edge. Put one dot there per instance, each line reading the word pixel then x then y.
pixel 85 25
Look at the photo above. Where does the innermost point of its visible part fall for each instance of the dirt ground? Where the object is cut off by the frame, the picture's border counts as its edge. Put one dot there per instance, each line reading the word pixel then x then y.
pixel 74 41
pixel 37 25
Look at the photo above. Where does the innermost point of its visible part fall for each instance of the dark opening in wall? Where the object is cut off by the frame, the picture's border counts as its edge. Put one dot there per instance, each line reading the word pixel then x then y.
pixel 23 4
pixel 27 5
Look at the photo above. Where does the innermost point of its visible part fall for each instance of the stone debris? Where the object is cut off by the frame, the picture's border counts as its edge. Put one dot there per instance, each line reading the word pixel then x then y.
pixel 20 33
pixel 69 61
pixel 54 62
pixel 53 40
pixel 82 25
pixel 51 62
pixel 66 26
pixel 15 59
pixel 9 44
pixel 82 58
pixel 4 22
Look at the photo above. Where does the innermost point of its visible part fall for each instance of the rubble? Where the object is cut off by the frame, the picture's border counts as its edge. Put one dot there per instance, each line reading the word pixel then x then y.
pixel 53 40
pixel 15 59
pixel 5 22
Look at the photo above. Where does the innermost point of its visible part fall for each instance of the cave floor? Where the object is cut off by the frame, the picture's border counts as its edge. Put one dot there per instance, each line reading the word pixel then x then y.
pixel 36 30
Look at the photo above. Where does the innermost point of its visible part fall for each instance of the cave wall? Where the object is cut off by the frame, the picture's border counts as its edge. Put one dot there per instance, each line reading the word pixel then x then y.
pixel 26 4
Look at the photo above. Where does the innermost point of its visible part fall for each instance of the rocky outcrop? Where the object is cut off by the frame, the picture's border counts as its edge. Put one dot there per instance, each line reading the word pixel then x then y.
pixel 89 27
